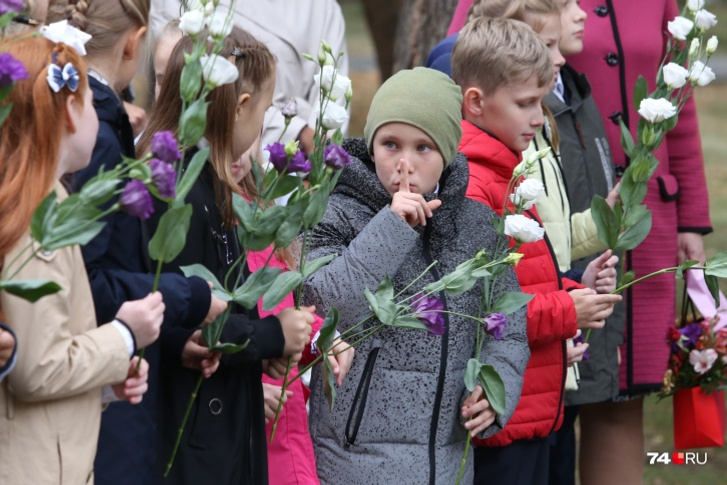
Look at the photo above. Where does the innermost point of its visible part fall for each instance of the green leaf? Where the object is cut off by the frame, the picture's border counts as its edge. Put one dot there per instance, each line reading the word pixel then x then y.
pixel 627 277
pixel 635 214
pixel 717 265
pixel 641 90
pixel 471 374
pixel 329 382
pixel 290 228
pixel 409 321
pixel 494 388
pixel 328 331
pixel 244 211
pixel 98 191
pixel 316 209
pixel 171 234
pixel 192 123
pixel 283 285
pixel 271 219
pixel 202 272
pixel 5 112
pixel 670 123
pixel 255 286
pixel 634 235
pixel 639 170
pixel 606 223
pixel 371 298
pixel 285 185
pixel 191 81
pixel 481 273
pixel 386 311
pixel 385 289
pixel 627 141
pixel 631 193
pixel 511 302
pixel 684 266
pixel 42 215
pixel 337 137
pixel 68 235
pixel 31 290
pixel 191 172
pixel 713 285
pixel 313 266
pixel 229 347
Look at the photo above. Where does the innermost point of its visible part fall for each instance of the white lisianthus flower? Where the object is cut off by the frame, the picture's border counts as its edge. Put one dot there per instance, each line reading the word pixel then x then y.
pixel 192 22
pixel 527 193
pixel 694 47
pixel 334 84
pixel 523 229
pixel 705 19
pixel 219 24
pixel 526 166
pixel 334 116
pixel 675 76
pixel 349 93
pixel 695 5
pixel 700 74
pixel 702 360
pixel 217 70
pixel 656 110
pixel 680 27
pixel 712 44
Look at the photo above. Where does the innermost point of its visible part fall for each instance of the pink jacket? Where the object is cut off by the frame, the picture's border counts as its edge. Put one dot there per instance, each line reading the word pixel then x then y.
pixel 625 39
pixel 290 455
pixel 460 16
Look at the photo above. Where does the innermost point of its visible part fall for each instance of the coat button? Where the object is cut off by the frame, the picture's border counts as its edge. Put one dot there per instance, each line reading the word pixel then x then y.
pixel 612 59
pixel 601 10
pixel 215 406
pixel 619 169
pixel 615 117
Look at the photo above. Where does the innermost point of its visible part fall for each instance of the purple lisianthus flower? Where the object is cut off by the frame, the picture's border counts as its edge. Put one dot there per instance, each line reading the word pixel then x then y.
pixel 136 200
pixel 11 69
pixel 580 339
pixel 495 324
pixel 428 309
pixel 278 158
pixel 336 157
pixel 164 177
pixel 690 334
pixel 290 110
pixel 11 6
pixel 299 163
pixel 164 147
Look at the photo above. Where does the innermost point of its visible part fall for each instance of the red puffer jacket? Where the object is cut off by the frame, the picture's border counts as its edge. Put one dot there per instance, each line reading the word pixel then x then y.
pixel 551 314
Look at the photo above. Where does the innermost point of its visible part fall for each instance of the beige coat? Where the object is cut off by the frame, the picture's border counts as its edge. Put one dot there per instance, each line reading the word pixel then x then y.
pixel 288 28
pixel 50 405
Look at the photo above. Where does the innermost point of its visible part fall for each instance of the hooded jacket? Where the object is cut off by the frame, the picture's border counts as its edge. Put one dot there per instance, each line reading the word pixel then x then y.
pixel 397 414
pixel 551 316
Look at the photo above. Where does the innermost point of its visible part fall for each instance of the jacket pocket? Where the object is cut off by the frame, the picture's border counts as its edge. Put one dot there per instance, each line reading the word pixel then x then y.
pixel 668 187
pixel 358 407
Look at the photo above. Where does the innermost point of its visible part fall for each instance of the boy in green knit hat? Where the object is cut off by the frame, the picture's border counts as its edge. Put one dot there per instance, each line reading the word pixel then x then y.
pixel 403 413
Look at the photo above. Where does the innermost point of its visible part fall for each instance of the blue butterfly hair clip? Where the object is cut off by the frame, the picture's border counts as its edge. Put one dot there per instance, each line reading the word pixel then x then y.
pixel 59 77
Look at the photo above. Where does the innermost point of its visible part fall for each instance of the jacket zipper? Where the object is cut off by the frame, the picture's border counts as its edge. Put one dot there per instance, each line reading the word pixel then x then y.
pixel 563 349
pixel 362 391
pixel 442 365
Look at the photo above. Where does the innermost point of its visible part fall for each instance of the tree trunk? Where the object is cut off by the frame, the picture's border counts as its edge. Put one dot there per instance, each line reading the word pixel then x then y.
pixel 422 24
pixel 382 17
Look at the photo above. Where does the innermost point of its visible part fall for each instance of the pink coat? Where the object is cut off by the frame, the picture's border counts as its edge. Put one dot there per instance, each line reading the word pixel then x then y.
pixel 460 16
pixel 625 39
pixel 290 455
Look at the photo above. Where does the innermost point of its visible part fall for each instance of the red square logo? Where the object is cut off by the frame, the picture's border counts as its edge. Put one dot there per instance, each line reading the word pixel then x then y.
pixel 677 458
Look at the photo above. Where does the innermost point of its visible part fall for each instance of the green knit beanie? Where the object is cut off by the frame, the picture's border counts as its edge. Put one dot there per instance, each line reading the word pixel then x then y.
pixel 424 98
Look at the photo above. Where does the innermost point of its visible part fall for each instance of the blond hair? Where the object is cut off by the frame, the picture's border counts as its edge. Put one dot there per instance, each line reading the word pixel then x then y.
pixel 492 52
pixel 528 11
pixel 105 20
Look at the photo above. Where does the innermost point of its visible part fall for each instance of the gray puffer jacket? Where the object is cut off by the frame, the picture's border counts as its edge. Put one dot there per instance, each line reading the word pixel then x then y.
pixel 397 414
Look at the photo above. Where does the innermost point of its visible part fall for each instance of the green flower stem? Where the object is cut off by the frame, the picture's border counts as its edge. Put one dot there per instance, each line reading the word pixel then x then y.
pixel 153 289
pixel 426 270
pixel 464 458
pixel 282 395
pixel 17 256
pixel 181 426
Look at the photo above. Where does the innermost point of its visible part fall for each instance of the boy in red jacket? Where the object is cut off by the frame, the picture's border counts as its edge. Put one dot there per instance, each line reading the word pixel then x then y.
pixel 505 70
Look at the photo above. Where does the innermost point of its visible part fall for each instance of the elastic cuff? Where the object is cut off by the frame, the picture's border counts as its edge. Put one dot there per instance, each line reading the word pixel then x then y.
pixel 200 298
pixel 699 230
pixel 269 337
pixel 129 337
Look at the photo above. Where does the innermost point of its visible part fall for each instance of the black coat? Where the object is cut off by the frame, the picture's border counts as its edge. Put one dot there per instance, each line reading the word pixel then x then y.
pixel 117 264
pixel 224 439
